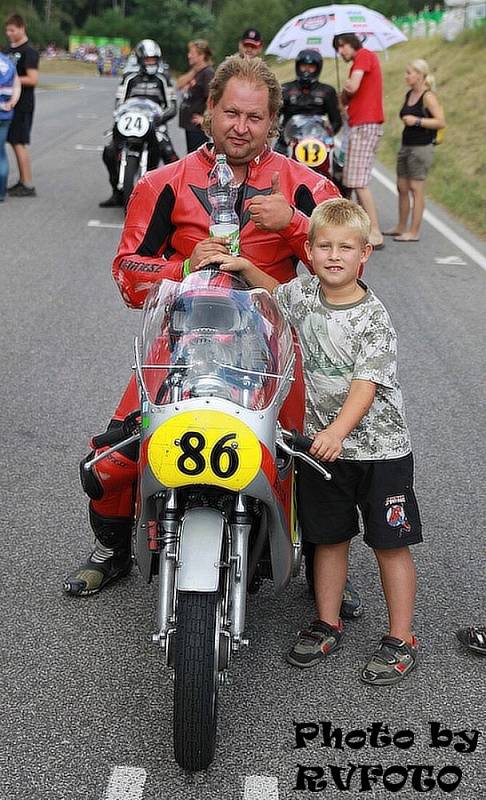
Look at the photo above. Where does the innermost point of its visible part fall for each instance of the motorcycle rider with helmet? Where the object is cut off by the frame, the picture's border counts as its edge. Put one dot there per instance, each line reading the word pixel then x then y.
pixel 152 82
pixel 307 95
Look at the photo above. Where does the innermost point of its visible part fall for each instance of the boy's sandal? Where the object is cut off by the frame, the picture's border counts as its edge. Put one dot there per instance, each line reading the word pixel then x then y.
pixel 392 661
pixel 314 644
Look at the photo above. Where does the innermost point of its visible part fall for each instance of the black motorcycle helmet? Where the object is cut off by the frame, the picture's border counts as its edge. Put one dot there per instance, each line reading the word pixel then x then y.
pixel 149 56
pixel 305 67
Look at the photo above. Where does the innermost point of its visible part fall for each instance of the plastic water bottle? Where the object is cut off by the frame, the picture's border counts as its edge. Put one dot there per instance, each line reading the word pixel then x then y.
pixel 222 193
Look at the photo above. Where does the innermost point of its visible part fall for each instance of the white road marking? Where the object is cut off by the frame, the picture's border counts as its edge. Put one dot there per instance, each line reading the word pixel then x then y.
pixel 439 226
pixel 96 223
pixel 260 787
pixel 451 260
pixel 95 148
pixel 126 783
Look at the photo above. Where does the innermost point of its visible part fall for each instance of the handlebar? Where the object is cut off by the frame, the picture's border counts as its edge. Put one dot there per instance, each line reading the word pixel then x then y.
pixel 298 446
pixel 112 436
pixel 299 442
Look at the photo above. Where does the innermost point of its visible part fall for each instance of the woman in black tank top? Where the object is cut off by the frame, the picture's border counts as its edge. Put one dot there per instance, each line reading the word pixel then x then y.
pixel 422 117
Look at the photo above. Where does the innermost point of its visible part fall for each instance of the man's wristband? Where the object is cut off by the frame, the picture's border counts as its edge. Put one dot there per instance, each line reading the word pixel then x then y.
pixel 186 268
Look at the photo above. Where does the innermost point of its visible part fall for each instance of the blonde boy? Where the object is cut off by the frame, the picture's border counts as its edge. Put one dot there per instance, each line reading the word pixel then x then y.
pixel 354 412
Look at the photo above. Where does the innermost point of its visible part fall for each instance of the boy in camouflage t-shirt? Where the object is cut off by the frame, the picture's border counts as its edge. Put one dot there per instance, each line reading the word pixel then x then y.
pixel 354 412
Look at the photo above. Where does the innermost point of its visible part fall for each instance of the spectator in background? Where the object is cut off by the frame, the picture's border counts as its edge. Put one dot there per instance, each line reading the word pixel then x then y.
pixel 422 117
pixel 27 60
pixel 250 44
pixel 100 64
pixel 195 90
pixel 9 95
pixel 362 97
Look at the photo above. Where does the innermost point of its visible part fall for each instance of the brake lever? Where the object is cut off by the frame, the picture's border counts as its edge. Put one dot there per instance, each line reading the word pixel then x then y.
pixel 88 465
pixel 304 457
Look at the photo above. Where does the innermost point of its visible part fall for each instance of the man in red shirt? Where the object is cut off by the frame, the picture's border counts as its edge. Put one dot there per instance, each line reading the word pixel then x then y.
pixel 363 97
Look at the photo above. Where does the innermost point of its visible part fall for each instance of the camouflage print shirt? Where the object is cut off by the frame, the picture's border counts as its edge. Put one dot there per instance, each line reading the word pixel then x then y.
pixel 340 344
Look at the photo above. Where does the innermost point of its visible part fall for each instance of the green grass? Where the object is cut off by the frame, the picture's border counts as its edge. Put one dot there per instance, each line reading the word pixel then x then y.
pixel 54 66
pixel 457 180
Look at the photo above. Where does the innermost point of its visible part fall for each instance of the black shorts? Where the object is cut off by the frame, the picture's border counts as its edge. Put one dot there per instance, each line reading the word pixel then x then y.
pixel 19 131
pixel 382 490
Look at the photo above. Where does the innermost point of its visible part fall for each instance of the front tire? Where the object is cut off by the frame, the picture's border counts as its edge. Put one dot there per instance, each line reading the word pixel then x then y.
pixel 130 177
pixel 196 665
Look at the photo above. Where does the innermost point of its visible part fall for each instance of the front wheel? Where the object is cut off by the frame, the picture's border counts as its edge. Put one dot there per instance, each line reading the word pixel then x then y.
pixel 130 176
pixel 196 665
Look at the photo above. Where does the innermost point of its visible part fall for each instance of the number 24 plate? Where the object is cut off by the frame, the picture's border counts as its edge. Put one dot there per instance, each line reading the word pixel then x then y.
pixel 206 447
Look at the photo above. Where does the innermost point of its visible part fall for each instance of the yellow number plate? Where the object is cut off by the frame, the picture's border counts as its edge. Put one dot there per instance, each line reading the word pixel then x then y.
pixel 207 447
pixel 312 152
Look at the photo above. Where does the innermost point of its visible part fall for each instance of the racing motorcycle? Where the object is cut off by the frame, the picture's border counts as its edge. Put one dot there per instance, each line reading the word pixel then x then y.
pixel 310 139
pixel 137 132
pixel 215 498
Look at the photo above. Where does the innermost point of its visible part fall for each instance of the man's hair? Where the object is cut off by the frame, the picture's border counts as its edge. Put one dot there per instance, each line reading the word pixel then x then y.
pixel 15 19
pixel 254 71
pixel 347 38
pixel 340 212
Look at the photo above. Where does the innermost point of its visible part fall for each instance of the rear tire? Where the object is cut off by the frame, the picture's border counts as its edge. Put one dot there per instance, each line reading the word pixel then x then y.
pixel 130 177
pixel 196 685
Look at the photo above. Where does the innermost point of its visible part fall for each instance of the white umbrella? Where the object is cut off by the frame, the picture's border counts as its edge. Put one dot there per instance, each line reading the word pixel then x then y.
pixel 316 28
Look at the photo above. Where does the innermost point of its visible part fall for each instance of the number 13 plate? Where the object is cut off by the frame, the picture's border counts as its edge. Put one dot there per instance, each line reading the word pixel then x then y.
pixel 311 152
pixel 204 447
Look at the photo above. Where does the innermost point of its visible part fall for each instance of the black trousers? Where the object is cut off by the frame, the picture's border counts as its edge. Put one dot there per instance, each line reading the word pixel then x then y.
pixel 159 151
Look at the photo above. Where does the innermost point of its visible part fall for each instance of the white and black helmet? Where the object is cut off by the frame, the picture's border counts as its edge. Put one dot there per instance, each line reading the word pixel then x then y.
pixel 147 48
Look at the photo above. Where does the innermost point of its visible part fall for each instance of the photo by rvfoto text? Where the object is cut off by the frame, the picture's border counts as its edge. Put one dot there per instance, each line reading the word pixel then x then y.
pixel 363 777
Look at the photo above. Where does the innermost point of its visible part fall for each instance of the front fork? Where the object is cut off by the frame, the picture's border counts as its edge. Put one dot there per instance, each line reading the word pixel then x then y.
pixel 233 579
pixel 123 164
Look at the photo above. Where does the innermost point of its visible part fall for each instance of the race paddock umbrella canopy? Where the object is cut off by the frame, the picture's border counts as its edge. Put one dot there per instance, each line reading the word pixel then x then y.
pixel 316 28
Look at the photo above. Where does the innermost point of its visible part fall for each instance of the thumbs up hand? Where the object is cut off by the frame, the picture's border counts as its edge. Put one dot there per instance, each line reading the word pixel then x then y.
pixel 276 183
pixel 271 212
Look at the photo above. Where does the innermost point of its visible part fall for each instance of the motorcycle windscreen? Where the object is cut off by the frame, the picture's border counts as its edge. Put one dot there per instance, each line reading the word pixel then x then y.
pixel 302 126
pixel 214 337
pixel 139 105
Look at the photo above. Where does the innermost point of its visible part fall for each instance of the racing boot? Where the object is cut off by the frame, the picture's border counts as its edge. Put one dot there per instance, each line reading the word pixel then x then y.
pixel 110 560
pixel 115 201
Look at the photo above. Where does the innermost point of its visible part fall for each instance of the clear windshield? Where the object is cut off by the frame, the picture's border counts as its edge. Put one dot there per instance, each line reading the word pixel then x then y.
pixel 301 126
pixel 141 105
pixel 211 336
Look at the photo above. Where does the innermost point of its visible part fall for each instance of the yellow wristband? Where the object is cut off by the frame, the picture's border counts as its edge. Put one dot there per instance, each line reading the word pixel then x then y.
pixel 186 268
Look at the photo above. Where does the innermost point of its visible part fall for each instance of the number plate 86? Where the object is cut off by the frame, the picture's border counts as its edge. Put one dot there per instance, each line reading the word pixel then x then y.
pixel 204 447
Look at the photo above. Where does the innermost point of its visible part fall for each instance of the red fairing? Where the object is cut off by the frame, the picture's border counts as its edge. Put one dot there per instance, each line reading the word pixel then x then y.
pixel 168 214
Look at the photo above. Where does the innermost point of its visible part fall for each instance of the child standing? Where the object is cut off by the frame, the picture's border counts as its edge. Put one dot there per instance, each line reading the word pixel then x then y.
pixel 354 412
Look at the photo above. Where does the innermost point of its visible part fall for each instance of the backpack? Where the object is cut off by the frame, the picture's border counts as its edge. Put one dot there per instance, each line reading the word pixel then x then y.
pixel 439 136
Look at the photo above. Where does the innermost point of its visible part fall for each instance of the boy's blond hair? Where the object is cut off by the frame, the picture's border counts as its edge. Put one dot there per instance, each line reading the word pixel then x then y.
pixel 340 212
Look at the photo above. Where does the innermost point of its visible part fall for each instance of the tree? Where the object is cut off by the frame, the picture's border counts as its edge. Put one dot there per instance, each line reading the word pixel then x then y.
pixel 173 23
pixel 235 17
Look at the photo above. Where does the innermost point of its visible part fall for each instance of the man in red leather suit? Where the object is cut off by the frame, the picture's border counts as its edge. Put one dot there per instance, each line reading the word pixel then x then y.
pixel 166 235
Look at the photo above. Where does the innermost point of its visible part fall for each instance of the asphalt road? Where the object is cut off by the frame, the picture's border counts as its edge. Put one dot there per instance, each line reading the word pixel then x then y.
pixel 84 693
